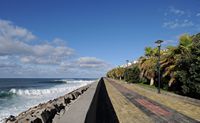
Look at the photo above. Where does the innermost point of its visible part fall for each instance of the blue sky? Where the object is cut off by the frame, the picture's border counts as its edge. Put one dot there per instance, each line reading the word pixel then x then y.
pixel 81 38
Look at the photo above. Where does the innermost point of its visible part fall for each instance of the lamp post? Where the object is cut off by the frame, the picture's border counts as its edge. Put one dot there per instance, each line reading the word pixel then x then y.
pixel 127 61
pixel 126 70
pixel 158 42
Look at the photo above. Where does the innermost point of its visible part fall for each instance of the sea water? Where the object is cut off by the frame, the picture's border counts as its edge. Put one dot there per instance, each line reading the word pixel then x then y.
pixel 17 95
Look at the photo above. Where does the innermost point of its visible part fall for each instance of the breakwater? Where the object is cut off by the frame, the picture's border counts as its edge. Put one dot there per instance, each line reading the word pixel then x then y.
pixel 46 112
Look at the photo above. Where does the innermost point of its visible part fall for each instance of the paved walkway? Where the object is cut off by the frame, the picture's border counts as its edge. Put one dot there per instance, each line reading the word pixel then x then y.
pixel 134 104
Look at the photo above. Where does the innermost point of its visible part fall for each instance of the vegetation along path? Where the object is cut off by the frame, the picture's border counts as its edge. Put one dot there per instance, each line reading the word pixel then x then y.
pixel 153 110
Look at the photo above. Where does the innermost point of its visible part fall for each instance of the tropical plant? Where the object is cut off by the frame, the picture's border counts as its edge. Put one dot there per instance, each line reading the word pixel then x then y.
pixel 171 57
pixel 180 67
pixel 189 70
pixel 116 73
pixel 147 64
pixel 131 74
pixel 119 72
pixel 168 64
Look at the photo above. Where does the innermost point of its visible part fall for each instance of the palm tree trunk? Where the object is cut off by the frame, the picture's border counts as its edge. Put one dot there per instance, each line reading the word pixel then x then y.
pixel 142 73
pixel 152 81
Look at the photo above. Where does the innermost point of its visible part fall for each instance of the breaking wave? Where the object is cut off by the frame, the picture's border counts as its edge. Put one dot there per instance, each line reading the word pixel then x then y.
pixel 4 94
pixel 15 99
pixel 36 92
pixel 40 92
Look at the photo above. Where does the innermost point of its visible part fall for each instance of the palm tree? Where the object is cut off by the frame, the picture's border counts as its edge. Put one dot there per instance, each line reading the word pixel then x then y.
pixel 148 51
pixel 119 72
pixel 172 55
pixel 147 64
pixel 168 63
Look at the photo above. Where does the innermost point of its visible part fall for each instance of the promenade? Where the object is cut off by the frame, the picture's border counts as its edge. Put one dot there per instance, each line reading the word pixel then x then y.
pixel 135 104
pixel 113 101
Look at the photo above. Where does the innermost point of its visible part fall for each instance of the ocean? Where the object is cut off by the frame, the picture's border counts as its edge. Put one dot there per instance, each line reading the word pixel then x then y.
pixel 19 94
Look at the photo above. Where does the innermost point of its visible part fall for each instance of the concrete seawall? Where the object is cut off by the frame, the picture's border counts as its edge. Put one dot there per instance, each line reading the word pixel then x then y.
pixel 101 109
pixel 92 107
pixel 88 104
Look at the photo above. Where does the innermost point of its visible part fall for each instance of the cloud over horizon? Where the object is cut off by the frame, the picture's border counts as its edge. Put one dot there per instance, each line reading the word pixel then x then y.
pixel 41 59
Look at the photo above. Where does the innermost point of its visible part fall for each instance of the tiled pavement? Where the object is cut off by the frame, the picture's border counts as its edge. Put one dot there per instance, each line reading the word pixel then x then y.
pixel 134 104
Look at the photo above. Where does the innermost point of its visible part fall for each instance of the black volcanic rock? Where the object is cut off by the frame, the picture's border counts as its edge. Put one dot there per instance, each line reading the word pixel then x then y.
pixel 45 112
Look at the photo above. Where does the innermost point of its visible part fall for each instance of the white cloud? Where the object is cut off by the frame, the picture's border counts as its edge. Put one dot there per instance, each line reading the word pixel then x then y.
pixel 178 24
pixel 176 11
pixel 170 42
pixel 13 42
pixel 21 58
pixel 176 18
pixel 86 63
pixel 8 29
pixel 7 65
pixel 40 60
pixel 85 66
pixel 91 62
pixel 198 14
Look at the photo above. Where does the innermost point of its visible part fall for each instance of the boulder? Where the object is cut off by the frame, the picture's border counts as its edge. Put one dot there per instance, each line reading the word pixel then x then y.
pixel 76 94
pixel 36 120
pixel 11 118
pixel 67 100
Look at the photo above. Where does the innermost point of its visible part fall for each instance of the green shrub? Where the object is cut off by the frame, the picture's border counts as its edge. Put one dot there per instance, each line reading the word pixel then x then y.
pixel 131 75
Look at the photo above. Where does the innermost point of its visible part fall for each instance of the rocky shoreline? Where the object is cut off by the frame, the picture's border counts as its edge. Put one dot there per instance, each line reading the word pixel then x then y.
pixel 49 111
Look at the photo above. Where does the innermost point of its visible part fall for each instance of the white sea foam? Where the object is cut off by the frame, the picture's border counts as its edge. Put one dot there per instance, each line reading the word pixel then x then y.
pixel 37 92
pixel 78 81
pixel 53 90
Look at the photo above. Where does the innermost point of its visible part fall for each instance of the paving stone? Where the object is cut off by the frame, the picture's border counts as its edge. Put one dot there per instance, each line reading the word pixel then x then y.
pixel 180 105
pixel 146 105
pixel 125 110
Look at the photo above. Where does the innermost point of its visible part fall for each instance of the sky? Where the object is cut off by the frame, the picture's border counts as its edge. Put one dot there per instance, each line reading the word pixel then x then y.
pixel 86 38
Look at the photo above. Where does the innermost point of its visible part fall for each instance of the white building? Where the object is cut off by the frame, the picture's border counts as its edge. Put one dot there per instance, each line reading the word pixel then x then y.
pixel 129 63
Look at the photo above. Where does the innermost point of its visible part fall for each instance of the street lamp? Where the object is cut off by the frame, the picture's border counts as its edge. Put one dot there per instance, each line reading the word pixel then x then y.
pixel 126 72
pixel 158 42
pixel 127 61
